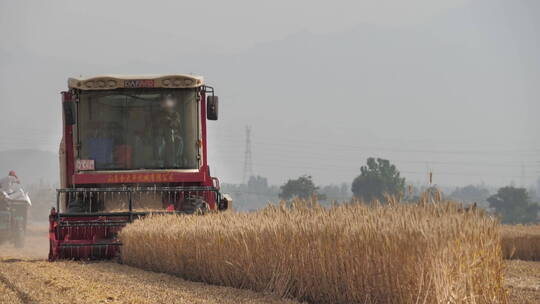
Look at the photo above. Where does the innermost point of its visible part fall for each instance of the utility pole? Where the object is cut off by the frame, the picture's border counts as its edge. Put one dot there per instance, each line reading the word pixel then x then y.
pixel 248 162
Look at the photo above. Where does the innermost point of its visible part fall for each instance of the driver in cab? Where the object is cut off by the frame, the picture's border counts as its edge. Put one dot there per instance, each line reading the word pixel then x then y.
pixel 170 143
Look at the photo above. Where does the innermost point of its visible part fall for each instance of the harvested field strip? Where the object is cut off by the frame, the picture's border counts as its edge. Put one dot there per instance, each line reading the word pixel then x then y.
pixel 521 242
pixel 105 282
pixel 8 295
pixel 523 281
pixel 398 253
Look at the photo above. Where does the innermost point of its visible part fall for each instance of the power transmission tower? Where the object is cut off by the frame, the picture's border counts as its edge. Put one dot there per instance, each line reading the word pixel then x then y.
pixel 248 162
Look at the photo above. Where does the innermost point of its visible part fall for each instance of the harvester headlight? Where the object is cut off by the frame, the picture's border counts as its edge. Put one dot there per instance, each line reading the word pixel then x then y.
pixel 167 82
pixel 111 83
pixel 177 82
pixel 188 82
pixel 101 84
pixel 89 84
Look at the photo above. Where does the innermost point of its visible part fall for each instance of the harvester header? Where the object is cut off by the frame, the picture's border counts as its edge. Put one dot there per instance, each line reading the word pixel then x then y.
pixel 131 145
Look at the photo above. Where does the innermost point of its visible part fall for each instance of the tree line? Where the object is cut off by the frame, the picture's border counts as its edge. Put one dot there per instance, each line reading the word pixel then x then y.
pixel 379 178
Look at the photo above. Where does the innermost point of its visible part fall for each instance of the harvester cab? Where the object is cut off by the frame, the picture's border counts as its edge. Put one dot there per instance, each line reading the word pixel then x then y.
pixel 131 146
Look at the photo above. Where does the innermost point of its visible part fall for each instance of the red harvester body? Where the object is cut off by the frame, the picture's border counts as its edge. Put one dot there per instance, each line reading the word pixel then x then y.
pixel 132 145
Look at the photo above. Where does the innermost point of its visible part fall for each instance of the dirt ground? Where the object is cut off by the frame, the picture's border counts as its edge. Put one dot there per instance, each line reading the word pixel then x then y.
pixel 38 281
pixel 36 244
pixel 523 281
pixel 26 277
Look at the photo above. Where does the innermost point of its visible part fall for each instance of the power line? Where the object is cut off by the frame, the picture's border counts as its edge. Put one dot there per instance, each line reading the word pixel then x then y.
pixel 353 170
pixel 276 153
pixel 298 142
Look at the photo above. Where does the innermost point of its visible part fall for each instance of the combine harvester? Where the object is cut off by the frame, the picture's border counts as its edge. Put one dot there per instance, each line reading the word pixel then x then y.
pixel 132 145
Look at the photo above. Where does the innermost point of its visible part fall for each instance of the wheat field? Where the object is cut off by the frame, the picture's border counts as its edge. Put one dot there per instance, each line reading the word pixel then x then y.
pixel 521 242
pixel 351 253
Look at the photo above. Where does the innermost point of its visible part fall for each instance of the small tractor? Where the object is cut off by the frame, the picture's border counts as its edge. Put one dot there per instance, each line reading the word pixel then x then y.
pixel 13 216
pixel 131 146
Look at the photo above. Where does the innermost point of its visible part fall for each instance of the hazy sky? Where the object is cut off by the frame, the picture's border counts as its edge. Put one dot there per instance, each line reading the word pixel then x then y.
pixel 451 86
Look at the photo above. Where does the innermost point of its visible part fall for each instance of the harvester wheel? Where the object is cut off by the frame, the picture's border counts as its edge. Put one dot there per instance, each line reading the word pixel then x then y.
pixel 195 205
pixel 75 205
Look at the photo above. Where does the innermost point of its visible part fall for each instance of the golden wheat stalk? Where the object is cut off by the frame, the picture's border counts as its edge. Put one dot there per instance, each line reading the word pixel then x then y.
pixel 351 253
pixel 521 242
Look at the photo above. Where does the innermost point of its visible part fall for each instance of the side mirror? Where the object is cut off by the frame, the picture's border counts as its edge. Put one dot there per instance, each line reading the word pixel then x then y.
pixel 212 107
pixel 69 112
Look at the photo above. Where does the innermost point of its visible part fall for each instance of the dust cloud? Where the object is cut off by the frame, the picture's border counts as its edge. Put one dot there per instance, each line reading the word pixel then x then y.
pixel 36 244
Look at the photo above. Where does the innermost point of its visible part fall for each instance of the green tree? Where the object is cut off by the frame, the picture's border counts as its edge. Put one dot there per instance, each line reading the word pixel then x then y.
pixel 257 184
pixel 377 178
pixel 334 192
pixel 302 187
pixel 471 194
pixel 513 205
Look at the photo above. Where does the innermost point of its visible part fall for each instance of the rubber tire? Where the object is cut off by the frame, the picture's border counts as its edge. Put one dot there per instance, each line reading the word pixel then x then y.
pixel 195 205
pixel 75 206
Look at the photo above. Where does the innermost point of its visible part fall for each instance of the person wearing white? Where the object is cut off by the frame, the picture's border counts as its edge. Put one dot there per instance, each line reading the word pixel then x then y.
pixel 7 183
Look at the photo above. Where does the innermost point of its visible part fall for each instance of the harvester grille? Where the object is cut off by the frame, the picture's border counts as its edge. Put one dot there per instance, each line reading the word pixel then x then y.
pixel 86 221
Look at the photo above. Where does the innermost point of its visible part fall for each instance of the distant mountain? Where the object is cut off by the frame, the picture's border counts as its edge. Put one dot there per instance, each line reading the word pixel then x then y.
pixel 30 165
